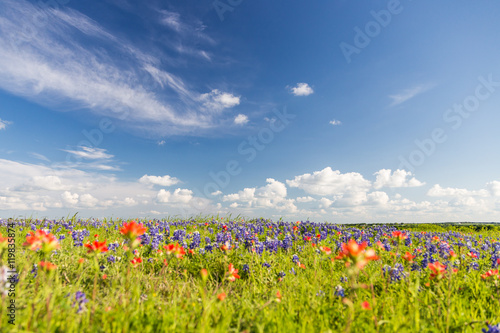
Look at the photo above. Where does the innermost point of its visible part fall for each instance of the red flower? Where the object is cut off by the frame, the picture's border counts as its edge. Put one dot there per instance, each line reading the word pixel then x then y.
pixel 352 252
pixel 131 231
pixel 136 261
pixel 97 247
pixel 438 270
pixel 472 255
pixel 491 272
pixel 176 249
pixel 408 257
pixel 325 249
pixel 399 235
pixel 221 296
pixel 232 273
pixel 47 266
pixel 42 240
pixel 278 296
pixel 365 305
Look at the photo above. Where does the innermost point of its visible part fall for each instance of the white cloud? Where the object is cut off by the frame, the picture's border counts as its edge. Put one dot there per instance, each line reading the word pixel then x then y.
pixel 329 182
pixel 87 200
pixel 39 156
pixel 71 199
pixel 273 195
pixel 4 123
pixel 399 178
pixel 51 183
pixel 216 193
pixel 494 188
pixel 178 196
pixel 335 122
pixel 241 119
pixel 161 143
pixel 301 89
pixel 377 198
pixel 305 199
pixel 216 101
pixel 408 94
pixel 53 66
pixel 90 153
pixel 325 203
pixel 159 180
pixel 438 191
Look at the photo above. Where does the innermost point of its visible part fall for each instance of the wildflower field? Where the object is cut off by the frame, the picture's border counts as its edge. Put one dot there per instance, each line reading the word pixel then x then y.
pixel 232 275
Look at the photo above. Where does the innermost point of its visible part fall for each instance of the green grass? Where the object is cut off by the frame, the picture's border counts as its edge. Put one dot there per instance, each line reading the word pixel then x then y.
pixel 152 297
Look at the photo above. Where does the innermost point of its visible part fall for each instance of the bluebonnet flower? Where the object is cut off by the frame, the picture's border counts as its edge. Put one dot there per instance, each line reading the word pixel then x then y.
pixel 492 329
pixel 112 259
pixel 343 279
pixel 474 265
pixel 339 291
pixel 295 259
pixel 281 274
pixel 266 265
pixel 113 246
pixel 34 271
pixel 395 273
pixel 293 271
pixel 246 268
pixel 80 299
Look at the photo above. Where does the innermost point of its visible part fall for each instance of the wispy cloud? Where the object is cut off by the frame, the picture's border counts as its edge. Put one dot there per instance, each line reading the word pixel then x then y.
pixel 4 123
pixel 39 156
pixel 90 153
pixel 54 68
pixel 335 122
pixel 408 94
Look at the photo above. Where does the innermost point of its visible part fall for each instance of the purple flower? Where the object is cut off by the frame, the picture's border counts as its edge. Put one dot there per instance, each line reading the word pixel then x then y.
pixel 80 300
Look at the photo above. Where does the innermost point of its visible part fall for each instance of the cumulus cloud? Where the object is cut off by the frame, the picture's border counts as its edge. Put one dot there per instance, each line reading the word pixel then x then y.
pixel 301 89
pixel 178 196
pixel 494 188
pixel 438 191
pixel 330 182
pixel 377 198
pixel 241 119
pixel 71 199
pixel 273 195
pixel 89 201
pixel 305 199
pixel 159 180
pixel 216 101
pixel 398 178
pixel 335 122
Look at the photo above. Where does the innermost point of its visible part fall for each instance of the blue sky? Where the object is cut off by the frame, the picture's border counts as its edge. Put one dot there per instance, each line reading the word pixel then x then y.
pixel 337 111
